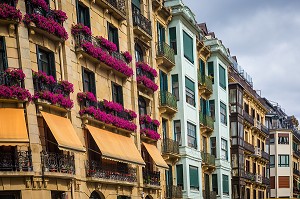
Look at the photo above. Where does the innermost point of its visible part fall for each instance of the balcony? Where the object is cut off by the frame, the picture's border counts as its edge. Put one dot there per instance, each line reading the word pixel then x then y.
pixel 167 103
pixel 57 164
pixel 296 172
pixel 15 163
pixel 257 152
pixel 110 173
pixel 141 25
pixel 206 124
pixel 11 15
pixel 265 129
pixel 208 161
pixel 209 194
pixel 258 178
pixel 249 147
pixel 249 176
pixel 173 191
pixel 296 153
pixel 260 128
pixel 248 118
pixel 265 155
pixel 170 149
pixel 165 56
pixel 151 179
pixel 205 85
pixel 146 79
pixel 116 8
pixel 265 181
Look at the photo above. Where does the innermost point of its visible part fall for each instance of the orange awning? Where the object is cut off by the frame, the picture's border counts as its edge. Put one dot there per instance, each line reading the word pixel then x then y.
pixel 155 155
pixel 13 129
pixel 64 133
pixel 116 147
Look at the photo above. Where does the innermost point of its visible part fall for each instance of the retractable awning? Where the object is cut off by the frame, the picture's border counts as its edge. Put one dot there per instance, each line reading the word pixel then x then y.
pixel 64 133
pixel 115 146
pixel 156 156
pixel 13 129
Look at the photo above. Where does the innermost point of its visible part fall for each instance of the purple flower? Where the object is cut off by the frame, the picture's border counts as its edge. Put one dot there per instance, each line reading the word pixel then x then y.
pixel 43 77
pixel 147 82
pixel 80 28
pixel 67 86
pixel 110 46
pixel 150 133
pixel 14 92
pixel 113 106
pixel 127 56
pixel 10 12
pixel 147 68
pixel 15 74
pixel 146 119
pixel 55 99
pixel 59 15
pixel 86 96
pixel 40 3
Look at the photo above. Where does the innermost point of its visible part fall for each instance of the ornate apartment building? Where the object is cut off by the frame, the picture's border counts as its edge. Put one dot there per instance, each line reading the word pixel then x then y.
pixel 249 137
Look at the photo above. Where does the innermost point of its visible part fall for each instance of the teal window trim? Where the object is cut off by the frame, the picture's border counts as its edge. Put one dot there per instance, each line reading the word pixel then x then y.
pixel 225 179
pixel 179 175
pixel 188 47
pixel 222 77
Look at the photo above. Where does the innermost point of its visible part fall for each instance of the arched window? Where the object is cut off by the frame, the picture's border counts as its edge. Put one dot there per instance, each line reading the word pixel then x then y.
pixel 95 195
pixel 142 106
pixel 138 53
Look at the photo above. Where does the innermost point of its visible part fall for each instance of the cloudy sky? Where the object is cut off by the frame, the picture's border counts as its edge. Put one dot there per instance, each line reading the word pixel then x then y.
pixel 265 37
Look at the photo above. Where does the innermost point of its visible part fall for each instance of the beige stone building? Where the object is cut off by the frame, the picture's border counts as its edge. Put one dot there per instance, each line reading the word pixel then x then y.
pixel 99 148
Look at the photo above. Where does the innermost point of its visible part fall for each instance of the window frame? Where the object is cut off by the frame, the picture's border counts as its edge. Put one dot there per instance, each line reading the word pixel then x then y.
pixel 51 67
pixel 224 148
pixel 179 175
pixel 190 136
pixel 3 53
pixel 287 160
pixel 177 134
pixel 213 146
pixel 190 94
pixel 225 180
pixel 80 7
pixel 117 93
pixel 194 170
pixel 91 81
pixel 173 41
pixel 175 86
pixel 224 115
pixel 222 84
pixel 190 58
pixel 115 34
pixel 214 183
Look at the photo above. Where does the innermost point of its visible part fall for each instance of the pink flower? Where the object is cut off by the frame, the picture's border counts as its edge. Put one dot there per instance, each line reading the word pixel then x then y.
pixel 55 99
pixel 67 86
pixel 147 82
pixel 110 46
pixel 113 106
pixel 150 133
pixel 86 96
pixel 10 12
pixel 80 28
pixel 15 74
pixel 59 15
pixel 14 92
pixel 43 77
pixel 127 56
pixel 40 3
pixel 146 119
pixel 146 68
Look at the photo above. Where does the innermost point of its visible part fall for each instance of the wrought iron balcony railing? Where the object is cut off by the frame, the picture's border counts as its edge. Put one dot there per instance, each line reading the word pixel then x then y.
pixel 297 152
pixel 170 146
pixel 249 176
pixel 248 118
pixel 141 21
pixel 173 191
pixel 164 50
pixel 248 147
pixel 10 2
pixel 59 163
pixel 167 99
pixel 110 171
pixel 140 72
pixel 207 158
pixel 7 80
pixel 151 177
pixel 56 88
pixel 265 155
pixel 119 5
pixel 265 181
pixel 205 81
pixel 296 171
pixel 206 120
pixel 15 161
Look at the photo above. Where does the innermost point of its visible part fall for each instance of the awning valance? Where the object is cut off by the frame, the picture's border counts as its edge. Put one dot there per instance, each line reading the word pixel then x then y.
pixel 116 147
pixel 13 129
pixel 155 155
pixel 64 133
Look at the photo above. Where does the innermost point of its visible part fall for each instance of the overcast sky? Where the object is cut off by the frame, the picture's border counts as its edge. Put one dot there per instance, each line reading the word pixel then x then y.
pixel 265 37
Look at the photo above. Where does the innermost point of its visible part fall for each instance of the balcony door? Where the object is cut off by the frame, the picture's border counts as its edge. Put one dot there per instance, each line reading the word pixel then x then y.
pixel 161 34
pixel 202 68
pixel 206 185
pixel 163 78
pixel 169 181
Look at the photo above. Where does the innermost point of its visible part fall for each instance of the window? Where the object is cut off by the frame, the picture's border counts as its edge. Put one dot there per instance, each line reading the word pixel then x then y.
pixel 246 108
pixel 83 14
pixel 283 138
pixel 113 34
pixel 213 146
pixel 295 146
pixel 225 184
pixel 212 108
pixel 142 106
pixel 192 141
pixel 247 165
pixel 161 34
pixel 46 62
pixel 137 3
pixel 3 58
pixel 272 139
pixel 224 152
pixel 138 53
pixel 188 47
pixel 117 93
pixel 194 178
pixel 163 79
pixel 223 113
pixel 175 86
pixel 173 42
pixel 283 160
pixel 254 194
pixel 222 77
pixel 177 129
pixel 88 79
pixel 190 91
pixel 210 69
pixel 179 170
pixel 215 183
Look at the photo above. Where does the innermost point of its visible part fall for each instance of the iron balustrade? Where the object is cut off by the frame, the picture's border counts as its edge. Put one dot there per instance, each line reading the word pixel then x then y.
pixel 206 120
pixel 265 181
pixel 141 21
pixel 59 163
pixel 265 155
pixel 15 160
pixel 170 146
pixel 249 176
pixel 150 126
pixel 173 191
pixel 81 38
pixel 118 172
pixel 7 80
pixel 167 99
pixel 55 88
pixel 297 152
pixel 248 118
pixel 264 129
pixel 248 147
pixel 10 2
pixel 207 158
pixel 141 72
pixel 297 172
pixel 163 49
pixel 151 177
pixel 119 5
pixel 204 80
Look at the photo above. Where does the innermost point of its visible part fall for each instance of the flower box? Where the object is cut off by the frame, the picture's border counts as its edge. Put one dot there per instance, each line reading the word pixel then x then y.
pixel 9 14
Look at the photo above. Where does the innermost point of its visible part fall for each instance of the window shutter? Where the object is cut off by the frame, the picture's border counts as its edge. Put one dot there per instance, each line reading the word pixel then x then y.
pixel 179 171
pixel 188 47
pixel 77 11
pixel 93 83
pixel 52 65
pixel 38 58
pixel 87 17
pixel 163 36
pixel 83 79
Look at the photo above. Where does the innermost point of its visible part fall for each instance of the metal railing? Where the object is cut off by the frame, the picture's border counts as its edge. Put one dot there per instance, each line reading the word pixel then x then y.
pixel 167 99
pixel 141 21
pixel 59 163
pixel 297 172
pixel 170 146
pixel 173 191
pixel 248 118
pixel 57 88
pixel 119 5
pixel 207 158
pixel 8 80
pixel 206 120
pixel 248 146
pixel 249 176
pixel 265 155
pixel 141 72
pixel 265 181
pixel 15 161
pixel 151 177
pixel 118 171
pixel 205 81
pixel 9 2
pixel 297 152
pixel 163 49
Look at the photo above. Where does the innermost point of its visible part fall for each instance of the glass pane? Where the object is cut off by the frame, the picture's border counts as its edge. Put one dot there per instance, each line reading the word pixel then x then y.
pixel 188 47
